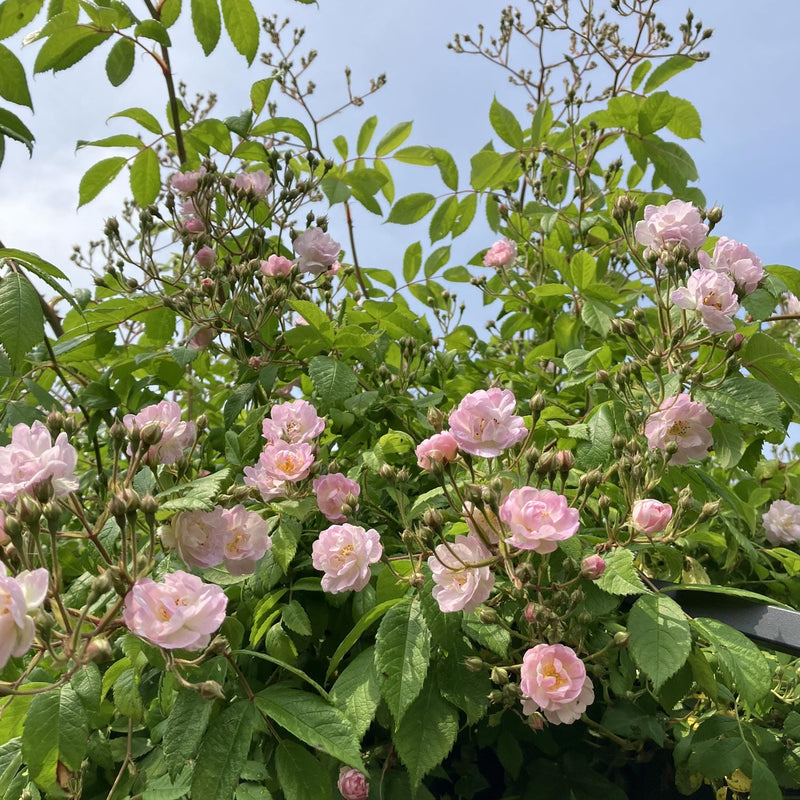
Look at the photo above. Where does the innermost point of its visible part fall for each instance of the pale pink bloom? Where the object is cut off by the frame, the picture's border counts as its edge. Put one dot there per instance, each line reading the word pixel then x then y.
pixel 298 320
pixel 484 424
pixel 538 519
pixel 202 338
pixel 792 303
pixel 461 585
pixel 188 208
pixel 501 254
pixel 332 491
pixel 352 784
pixel 736 260
pixel 713 295
pixel 179 612
pixel 344 553
pixel 782 523
pixel 286 461
pixel 257 182
pixel 296 422
pixel 4 537
pixel 553 679
pixel 246 540
pixel 176 436
pixel 33 459
pixel 206 283
pixel 650 516
pixel 275 265
pixel 19 598
pixel 187 182
pixel 197 536
pixel 316 250
pixel 205 257
pixel 592 567
pixel 441 448
pixel 268 487
pixel 482 522
pixel 683 421
pixel 193 225
pixel 333 269
pixel 676 222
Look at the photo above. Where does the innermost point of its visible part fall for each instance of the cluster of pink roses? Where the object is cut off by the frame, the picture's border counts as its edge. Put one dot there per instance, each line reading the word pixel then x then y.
pixel 162 422
pixel 234 536
pixel 20 597
pixel 33 460
pixel 317 253
pixel 683 421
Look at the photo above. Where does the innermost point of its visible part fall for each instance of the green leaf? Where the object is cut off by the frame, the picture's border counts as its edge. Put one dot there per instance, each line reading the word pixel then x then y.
pixel 788 275
pixel 97 177
pixel 296 619
pixel 144 118
pixel 67 47
pixel 412 261
pixel 426 733
pixel 185 727
pixel 259 92
pixel 443 218
pixel 284 125
pixel 336 190
pixel 117 140
pixel 744 400
pixel 333 381
pixel 595 451
pixel 505 125
pixel 393 138
pixel 764 786
pixel 145 177
pixel 242 25
pixel 436 260
pixel 21 318
pixel 769 362
pixel 312 720
pixel 742 663
pixel 16 14
pixel 465 214
pixel 402 655
pixel 152 29
pixel 14 711
pixel 356 692
pixel 170 11
pixel 301 776
pixel 620 576
pixel 494 637
pixel 207 23
pixel 13 127
pixel 716 758
pixel 490 170
pixel 660 637
pixel 411 208
pixel 13 83
pixel 638 74
pixel 542 122
pixel 56 729
pixel 666 70
pixel 672 163
pixel 223 752
pixel 655 112
pixel 685 120
pixel 365 134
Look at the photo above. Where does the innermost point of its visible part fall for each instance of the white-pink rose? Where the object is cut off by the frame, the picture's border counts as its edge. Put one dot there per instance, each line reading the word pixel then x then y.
pixel 257 182
pixel 650 516
pixel 4 537
pixel 187 182
pixel 176 436
pixel 33 459
pixel 736 260
pixel 197 536
pixel 275 266
pixel 316 251
pixel 461 583
pixel 501 254
pixel 332 491
pixel 286 461
pixel 441 448
pixel 268 487
pixel 201 338
pixel 296 422
pixel 592 567
pixel 782 523
pixel 352 784
pixel 713 295
pixel 553 679
pixel 205 257
pixel 538 519
pixel 482 522
pixel 676 222
pixel 344 553
pixel 179 612
pixel 19 598
pixel 683 421
pixel 485 423
pixel 246 540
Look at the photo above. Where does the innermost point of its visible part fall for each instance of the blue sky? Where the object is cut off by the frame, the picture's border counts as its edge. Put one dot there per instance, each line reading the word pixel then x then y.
pixel 745 95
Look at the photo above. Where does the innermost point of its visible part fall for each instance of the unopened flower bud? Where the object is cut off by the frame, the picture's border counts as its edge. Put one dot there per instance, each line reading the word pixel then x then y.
pixel 709 510
pixel 536 721
pixel 602 376
pixel 151 433
pixel 387 472
pixel 99 650
pixel 474 664
pixel 499 676
pixel 435 418
pixel 148 505
pixel 55 423
pixel 538 403
pixel 416 580
pixel 201 423
pixel 592 567
pixel 117 432
pixel 565 461
pixel 433 519
pixel 488 616
pixel 621 639
pixel 734 343
pixel 714 215
pixel 210 690
pixel 29 509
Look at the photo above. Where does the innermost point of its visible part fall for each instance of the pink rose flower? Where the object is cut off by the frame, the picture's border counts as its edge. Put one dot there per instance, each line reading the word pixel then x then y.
pixel 650 516
pixel 286 461
pixel 501 254
pixel 193 225
pixel 246 540
pixel 295 422
pixel 484 424
pixel 683 421
pixel 187 182
pixel 176 436
pixel 179 612
pixel 553 679
pixel 20 597
pixel 353 785
pixel 33 459
pixel 205 257
pixel 460 584
pixel 592 567
pixel 538 519
pixel 344 553
pixel 332 491
pixel 268 487
pixel 737 261
pixel 791 303
pixel 316 250
pixel 257 182
pixel 482 522
pixel 202 338
pixel 275 266
pixel 782 523
pixel 441 448
pixel 675 222
pixel 713 295
pixel 197 536
pixel 4 537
